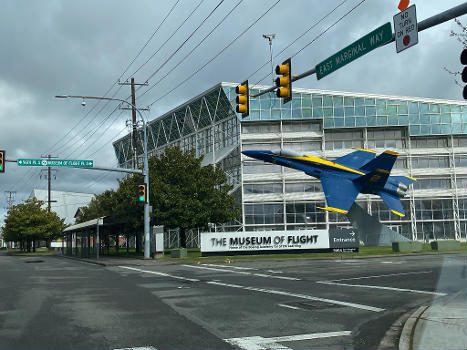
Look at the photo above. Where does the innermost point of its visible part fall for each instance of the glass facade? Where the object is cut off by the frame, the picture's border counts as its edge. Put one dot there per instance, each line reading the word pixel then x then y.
pixel 429 135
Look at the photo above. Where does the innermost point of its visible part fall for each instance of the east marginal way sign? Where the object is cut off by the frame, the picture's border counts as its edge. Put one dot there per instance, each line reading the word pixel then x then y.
pixel 362 46
pixel 56 162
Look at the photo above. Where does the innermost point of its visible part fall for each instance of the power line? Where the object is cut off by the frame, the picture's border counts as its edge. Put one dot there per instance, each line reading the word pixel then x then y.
pixel 150 38
pixel 186 40
pixel 320 34
pixel 126 69
pixel 165 42
pixel 219 53
pixel 194 48
pixel 300 36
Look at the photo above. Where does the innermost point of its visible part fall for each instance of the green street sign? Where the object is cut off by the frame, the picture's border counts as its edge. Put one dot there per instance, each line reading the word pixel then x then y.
pixel 362 46
pixel 56 162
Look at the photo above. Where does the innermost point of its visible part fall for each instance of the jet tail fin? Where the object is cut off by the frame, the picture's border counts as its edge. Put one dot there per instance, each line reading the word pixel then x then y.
pixel 393 202
pixel 378 171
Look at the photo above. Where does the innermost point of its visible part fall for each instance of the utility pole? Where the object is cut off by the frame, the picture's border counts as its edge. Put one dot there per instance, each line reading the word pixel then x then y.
pixel 133 117
pixel 10 198
pixel 49 179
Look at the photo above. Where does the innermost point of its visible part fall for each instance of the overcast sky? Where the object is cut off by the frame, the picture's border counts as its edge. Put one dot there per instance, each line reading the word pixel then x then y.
pixel 83 47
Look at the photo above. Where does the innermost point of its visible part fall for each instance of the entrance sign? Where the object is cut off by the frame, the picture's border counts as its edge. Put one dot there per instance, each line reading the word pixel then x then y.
pixel 268 242
pixel 362 46
pixel 406 29
pixel 56 162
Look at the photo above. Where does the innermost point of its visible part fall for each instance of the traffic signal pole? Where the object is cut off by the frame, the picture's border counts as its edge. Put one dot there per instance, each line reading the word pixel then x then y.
pixel 442 17
pixel 145 163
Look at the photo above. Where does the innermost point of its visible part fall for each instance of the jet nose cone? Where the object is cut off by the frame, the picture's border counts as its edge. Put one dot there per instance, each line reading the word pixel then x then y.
pixel 258 154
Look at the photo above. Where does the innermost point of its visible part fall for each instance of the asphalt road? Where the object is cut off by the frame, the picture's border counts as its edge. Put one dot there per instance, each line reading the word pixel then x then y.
pixel 50 302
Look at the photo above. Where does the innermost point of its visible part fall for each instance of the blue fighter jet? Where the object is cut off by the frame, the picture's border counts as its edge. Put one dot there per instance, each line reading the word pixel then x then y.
pixel 344 178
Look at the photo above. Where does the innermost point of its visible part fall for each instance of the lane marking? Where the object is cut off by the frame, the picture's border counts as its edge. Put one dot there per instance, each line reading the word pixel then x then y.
pixel 260 343
pixel 139 348
pixel 160 274
pixel 243 272
pixel 230 266
pixel 217 269
pixel 300 296
pixel 382 287
pixel 290 306
pixel 376 276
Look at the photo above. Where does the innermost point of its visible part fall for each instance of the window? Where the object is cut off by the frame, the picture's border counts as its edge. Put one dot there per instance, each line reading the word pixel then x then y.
pixel 392 138
pixel 343 139
pixel 260 168
pixel 302 187
pixel 430 162
pixel 429 142
pixel 260 128
pixel 262 188
pixel 300 126
pixel 426 184
pixel 303 147
pixel 261 214
pixel 304 213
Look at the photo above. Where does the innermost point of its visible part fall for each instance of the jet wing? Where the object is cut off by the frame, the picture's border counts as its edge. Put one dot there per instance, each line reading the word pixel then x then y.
pixel 356 159
pixel 340 192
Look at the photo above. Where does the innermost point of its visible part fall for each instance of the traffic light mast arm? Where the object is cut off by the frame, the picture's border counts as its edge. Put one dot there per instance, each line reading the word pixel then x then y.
pixel 432 21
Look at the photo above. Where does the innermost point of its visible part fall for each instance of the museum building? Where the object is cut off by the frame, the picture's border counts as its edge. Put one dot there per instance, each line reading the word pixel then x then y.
pixel 430 136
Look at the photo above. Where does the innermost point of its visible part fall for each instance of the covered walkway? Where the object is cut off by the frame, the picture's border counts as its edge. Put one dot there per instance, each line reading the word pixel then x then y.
pixel 92 238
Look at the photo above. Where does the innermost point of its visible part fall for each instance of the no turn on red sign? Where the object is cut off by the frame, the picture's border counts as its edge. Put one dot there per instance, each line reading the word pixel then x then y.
pixel 406 29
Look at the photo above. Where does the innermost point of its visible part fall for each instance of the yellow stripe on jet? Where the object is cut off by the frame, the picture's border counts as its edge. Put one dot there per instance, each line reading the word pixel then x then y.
pixel 391 153
pixel 397 213
pixel 328 163
pixel 411 178
pixel 337 210
pixel 364 149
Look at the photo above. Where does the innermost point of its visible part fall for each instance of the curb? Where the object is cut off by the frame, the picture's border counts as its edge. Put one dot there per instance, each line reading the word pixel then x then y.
pixel 406 339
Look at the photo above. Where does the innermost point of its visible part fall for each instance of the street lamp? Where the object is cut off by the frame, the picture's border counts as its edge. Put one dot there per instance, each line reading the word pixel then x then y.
pixel 145 162
pixel 270 37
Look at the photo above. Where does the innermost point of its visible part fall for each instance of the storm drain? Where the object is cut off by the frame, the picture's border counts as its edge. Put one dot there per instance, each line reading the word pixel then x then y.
pixel 33 261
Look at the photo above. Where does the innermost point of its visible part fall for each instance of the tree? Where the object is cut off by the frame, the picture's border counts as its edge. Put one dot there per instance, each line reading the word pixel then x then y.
pixel 187 195
pixel 28 222
pixel 461 37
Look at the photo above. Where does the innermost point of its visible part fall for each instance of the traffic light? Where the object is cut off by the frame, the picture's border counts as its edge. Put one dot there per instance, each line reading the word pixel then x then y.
pixel 142 196
pixel 2 161
pixel 243 99
pixel 284 83
pixel 464 72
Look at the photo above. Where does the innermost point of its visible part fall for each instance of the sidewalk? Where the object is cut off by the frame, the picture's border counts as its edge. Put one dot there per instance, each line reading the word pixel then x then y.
pixel 439 326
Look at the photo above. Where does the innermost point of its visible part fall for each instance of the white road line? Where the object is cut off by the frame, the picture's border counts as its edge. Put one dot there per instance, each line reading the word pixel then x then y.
pixel 260 343
pixel 230 266
pixel 139 348
pixel 160 274
pixel 382 287
pixel 217 269
pixel 279 277
pixel 376 276
pixel 290 307
pixel 243 272
pixel 301 296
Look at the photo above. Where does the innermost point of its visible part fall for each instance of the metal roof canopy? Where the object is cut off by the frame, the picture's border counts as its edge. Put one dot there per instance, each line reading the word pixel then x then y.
pixel 91 224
